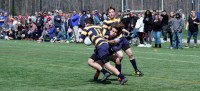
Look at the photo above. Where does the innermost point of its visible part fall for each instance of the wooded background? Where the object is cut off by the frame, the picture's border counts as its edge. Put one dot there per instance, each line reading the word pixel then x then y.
pixel 31 6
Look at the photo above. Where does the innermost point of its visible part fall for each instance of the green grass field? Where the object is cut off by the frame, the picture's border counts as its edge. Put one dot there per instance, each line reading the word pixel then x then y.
pixel 29 66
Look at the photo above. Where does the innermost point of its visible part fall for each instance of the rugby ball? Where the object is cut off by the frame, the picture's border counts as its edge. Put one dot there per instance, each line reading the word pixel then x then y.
pixel 87 41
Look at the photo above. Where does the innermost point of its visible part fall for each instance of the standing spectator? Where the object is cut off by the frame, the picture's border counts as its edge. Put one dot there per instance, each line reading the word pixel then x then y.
pixel 58 20
pixel 26 18
pixel 182 14
pixel 177 27
pixel 6 18
pixel 103 16
pixel 68 29
pixel 1 19
pixel 148 20
pixel 82 18
pixel 170 32
pixel 165 27
pixel 126 20
pixel 52 15
pixel 95 18
pixel 33 17
pixel 74 19
pixel 19 18
pixel 88 13
pixel 39 24
pixel 192 27
pixel 140 27
pixel 47 17
pixel 153 14
pixel 131 26
pixel 62 23
pixel 97 14
pixel 157 27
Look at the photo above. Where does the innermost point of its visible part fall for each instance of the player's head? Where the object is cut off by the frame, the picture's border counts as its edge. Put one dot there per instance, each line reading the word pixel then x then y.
pixel 116 29
pixel 111 12
pixel 88 22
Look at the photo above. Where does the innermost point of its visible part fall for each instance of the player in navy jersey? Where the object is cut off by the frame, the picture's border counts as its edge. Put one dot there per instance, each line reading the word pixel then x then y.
pixel 101 50
pixel 123 44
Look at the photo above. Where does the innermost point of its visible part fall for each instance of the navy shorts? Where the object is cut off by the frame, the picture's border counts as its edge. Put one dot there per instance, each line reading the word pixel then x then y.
pixel 101 53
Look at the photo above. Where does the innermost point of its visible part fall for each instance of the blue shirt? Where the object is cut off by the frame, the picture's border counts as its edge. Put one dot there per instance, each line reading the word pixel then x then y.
pixel 2 22
pixel 75 19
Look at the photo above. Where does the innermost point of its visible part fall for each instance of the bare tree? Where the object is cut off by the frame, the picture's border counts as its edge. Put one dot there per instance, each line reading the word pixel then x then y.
pixel 31 6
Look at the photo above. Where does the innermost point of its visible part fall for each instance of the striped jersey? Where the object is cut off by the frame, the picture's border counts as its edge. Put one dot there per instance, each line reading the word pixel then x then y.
pixel 95 33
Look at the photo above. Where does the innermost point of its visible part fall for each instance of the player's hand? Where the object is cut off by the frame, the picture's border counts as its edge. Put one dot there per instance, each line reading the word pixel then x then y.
pixel 80 40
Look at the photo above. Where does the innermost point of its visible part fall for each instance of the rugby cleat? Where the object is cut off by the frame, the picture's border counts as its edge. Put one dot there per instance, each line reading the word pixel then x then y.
pixel 96 76
pixel 123 81
pixel 105 77
pixel 139 73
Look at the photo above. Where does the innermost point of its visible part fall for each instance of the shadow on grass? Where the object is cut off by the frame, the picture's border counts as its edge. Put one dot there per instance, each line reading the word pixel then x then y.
pixel 99 81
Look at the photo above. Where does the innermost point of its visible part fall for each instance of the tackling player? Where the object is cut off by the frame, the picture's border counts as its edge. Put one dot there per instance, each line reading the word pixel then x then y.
pixel 101 51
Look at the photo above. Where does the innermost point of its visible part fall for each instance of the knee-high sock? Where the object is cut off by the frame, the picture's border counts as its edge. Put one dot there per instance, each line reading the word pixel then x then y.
pixel 133 62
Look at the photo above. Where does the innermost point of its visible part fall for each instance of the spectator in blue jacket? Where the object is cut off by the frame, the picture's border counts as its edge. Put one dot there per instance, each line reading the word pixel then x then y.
pixel 1 19
pixel 75 19
pixel 51 31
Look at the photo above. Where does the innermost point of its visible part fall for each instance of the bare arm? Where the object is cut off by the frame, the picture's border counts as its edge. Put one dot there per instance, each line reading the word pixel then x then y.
pixel 125 31
pixel 186 25
pixel 114 41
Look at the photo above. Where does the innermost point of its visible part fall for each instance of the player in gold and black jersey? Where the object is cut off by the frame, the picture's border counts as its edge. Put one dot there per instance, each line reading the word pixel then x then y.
pixel 101 52
pixel 123 44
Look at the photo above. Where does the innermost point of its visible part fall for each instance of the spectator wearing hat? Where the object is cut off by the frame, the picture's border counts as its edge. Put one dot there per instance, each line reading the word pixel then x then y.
pixel 177 27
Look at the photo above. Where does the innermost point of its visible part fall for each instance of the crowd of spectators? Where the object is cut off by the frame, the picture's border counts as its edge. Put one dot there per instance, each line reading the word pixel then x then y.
pixel 59 26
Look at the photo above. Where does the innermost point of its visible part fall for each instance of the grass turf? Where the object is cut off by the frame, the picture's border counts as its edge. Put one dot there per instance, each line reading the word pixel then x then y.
pixel 29 66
